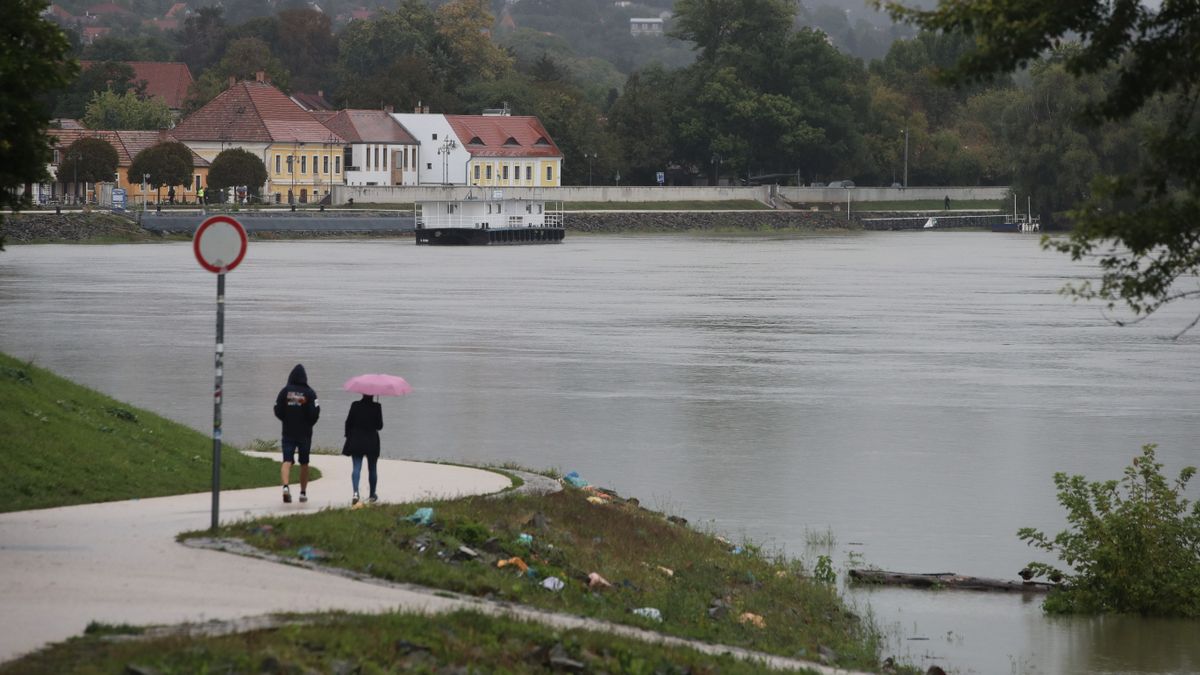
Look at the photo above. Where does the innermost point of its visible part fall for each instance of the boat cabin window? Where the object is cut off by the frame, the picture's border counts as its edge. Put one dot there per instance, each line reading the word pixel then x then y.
pixel 529 208
pixel 451 208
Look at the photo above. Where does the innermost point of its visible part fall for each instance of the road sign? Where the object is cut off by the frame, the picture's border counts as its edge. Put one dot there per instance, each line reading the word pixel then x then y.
pixel 662 177
pixel 219 244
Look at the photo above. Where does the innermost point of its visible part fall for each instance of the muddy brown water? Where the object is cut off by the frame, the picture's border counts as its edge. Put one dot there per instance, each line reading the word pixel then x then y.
pixel 910 393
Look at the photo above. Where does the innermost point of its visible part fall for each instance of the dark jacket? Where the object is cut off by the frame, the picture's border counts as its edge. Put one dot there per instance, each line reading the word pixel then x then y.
pixel 297 406
pixel 362 429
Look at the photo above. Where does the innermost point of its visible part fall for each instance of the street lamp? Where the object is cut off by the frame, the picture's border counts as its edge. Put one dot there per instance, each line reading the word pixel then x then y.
pixel 589 157
pixel 145 180
pixel 905 156
pixel 716 162
pixel 618 178
pixel 445 150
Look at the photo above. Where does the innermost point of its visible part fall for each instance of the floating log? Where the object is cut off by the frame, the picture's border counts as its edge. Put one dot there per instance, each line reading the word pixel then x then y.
pixel 948 580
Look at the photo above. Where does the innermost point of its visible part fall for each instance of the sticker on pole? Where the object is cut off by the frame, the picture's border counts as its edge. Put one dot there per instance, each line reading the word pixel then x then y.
pixel 220 244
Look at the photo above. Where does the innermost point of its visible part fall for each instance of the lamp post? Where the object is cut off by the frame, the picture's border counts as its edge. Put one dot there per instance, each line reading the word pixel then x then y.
pixel 75 179
pixel 618 179
pixel 906 157
pixel 145 180
pixel 444 150
pixel 716 162
pixel 589 156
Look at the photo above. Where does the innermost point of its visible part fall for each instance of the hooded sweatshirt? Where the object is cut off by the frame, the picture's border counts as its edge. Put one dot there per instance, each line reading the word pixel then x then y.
pixel 297 406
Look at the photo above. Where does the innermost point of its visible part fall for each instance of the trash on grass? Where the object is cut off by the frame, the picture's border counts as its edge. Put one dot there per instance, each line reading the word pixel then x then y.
pixel 597 582
pixel 574 480
pixel 752 619
pixel 422 516
pixel 595 500
pixel 311 553
pixel 525 539
pixel 666 570
pixel 649 613
pixel 514 561
pixel 553 584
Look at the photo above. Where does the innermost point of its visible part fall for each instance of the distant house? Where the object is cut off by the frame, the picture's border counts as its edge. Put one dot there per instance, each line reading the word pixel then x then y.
pixel 652 27
pixel 173 18
pixel 311 102
pixel 508 151
pixel 380 150
pixel 303 157
pixel 92 33
pixel 167 80
pixel 127 144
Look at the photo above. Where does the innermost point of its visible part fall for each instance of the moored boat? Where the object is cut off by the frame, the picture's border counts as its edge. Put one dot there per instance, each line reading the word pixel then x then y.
pixel 487 221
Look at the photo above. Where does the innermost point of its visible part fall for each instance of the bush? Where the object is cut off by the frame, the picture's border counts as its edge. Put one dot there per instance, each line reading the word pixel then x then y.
pixel 1133 544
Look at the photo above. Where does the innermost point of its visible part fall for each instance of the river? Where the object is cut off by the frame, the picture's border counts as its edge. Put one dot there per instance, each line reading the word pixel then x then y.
pixel 910 394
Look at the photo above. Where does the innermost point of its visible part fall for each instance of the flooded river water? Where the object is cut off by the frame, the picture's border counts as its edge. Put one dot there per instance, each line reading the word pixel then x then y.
pixel 910 393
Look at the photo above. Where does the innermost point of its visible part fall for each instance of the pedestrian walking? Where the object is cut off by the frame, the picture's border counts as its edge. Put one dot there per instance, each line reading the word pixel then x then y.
pixel 947 202
pixel 171 195
pixel 297 408
pixel 200 196
pixel 363 423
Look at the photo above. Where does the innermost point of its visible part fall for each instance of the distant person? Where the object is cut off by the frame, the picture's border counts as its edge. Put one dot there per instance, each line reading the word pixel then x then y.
pixel 200 196
pixel 297 407
pixel 171 195
pixel 947 202
pixel 362 440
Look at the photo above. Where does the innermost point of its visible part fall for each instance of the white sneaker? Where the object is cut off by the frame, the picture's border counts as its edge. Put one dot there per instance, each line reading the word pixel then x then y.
pixel 354 500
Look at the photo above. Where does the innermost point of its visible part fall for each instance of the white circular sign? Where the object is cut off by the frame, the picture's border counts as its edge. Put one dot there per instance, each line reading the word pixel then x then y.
pixel 219 244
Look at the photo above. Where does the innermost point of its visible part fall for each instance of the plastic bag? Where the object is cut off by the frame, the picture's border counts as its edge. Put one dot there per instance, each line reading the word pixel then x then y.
pixel 422 516
pixel 649 613
pixel 574 480
pixel 520 564
pixel 553 584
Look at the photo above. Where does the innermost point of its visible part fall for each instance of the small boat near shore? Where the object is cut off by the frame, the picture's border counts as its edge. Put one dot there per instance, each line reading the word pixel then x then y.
pixel 494 220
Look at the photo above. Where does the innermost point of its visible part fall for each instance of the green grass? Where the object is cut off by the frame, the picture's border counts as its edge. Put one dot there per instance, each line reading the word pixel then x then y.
pixel 66 444
pixel 388 643
pixel 726 205
pixel 929 205
pixel 572 537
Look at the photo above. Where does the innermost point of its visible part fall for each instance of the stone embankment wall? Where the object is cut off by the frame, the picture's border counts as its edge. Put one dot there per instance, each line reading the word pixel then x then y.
pixel 683 221
pixel 945 221
pixel 70 226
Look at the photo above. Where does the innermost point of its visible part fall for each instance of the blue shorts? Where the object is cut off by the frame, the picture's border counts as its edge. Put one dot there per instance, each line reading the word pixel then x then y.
pixel 290 447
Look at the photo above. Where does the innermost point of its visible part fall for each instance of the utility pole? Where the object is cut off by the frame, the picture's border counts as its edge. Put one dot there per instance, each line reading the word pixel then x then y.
pixel 590 156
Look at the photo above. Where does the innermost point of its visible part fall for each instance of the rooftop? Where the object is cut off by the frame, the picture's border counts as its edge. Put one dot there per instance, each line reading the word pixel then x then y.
pixel 256 112
pixel 503 136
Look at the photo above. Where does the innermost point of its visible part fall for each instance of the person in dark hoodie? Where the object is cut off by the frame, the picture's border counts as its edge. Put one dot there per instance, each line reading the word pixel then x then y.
pixel 297 407
pixel 362 440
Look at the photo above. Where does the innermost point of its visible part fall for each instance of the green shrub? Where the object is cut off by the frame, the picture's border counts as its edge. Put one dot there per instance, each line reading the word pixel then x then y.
pixel 1133 545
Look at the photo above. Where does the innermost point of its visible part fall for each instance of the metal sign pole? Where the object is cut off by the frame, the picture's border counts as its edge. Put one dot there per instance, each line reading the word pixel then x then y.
pixel 217 394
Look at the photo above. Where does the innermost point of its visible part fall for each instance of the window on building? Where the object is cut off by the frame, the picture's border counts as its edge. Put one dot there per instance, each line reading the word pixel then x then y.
pixel 316 164
pixel 337 164
pixel 291 162
pixel 476 172
pixel 428 166
pixel 549 173
pixel 197 188
pixel 435 137
pixel 303 164
pixel 504 172
pixel 385 159
pixel 528 172
pixel 325 164
pixel 488 172
pixel 277 163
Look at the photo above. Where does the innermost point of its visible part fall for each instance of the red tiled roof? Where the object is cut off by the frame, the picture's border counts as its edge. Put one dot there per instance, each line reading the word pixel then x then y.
pixel 367 126
pixel 253 112
pixel 167 80
pixel 90 33
pixel 311 102
pixel 127 143
pixel 503 136
pixel 59 13
pixel 178 9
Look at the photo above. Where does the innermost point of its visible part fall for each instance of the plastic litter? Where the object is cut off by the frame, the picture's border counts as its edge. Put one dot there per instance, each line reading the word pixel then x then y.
pixel 666 570
pixel 737 550
pixel 752 619
pixel 520 564
pixel 595 500
pixel 597 582
pixel 553 584
pixel 311 553
pixel 649 613
pixel 422 516
pixel 574 480
pixel 525 539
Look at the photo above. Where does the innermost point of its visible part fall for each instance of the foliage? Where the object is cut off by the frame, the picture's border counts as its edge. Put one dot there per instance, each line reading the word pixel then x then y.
pixel 88 160
pixel 78 446
pixel 1133 545
pixel 1139 220
pixel 98 77
pixel 651 562
pixel 417 642
pixel 167 164
pixel 110 110
pixel 33 60
pixel 242 60
pixel 237 166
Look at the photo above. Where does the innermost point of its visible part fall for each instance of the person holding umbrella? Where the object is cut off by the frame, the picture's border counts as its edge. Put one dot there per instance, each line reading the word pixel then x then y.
pixel 363 423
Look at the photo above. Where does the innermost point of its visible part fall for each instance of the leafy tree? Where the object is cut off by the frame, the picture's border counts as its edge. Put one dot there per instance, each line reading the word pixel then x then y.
pixel 98 77
pixel 110 110
pixel 138 48
pixel 1140 221
pixel 89 160
pixel 33 60
pixel 244 58
pixel 732 26
pixel 306 46
pixel 234 167
pixel 1133 545
pixel 461 25
pixel 168 163
pixel 202 38
pixel 644 121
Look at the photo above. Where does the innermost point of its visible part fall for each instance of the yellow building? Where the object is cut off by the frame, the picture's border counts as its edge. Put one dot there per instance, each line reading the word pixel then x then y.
pixel 127 144
pixel 507 151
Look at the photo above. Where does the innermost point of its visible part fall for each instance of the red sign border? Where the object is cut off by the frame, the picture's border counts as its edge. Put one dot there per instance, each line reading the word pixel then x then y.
pixel 196 243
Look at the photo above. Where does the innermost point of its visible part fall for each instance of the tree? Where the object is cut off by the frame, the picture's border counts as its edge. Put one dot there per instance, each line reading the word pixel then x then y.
pixel 98 77
pixel 306 46
pixel 234 167
pixel 465 25
pixel 88 159
pixel 244 58
pixel 202 38
pixel 1139 222
pixel 33 60
pixel 732 26
pixel 110 110
pixel 167 164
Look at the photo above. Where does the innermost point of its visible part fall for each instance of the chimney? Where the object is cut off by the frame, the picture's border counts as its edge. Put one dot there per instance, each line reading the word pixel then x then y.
pixel 232 80
pixel 417 110
pixel 320 93
pixel 388 109
pixel 260 76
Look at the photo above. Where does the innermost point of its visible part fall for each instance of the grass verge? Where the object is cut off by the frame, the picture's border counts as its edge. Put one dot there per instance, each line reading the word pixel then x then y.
pixel 726 205
pixel 701 586
pixel 337 643
pixel 930 205
pixel 66 444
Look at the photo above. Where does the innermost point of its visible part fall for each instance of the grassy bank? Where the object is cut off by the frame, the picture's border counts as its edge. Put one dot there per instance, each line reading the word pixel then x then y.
pixel 66 444
pixel 334 643
pixel 698 585
pixel 930 205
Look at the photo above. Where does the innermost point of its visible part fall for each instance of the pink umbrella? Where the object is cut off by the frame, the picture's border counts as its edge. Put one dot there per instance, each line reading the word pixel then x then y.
pixel 378 384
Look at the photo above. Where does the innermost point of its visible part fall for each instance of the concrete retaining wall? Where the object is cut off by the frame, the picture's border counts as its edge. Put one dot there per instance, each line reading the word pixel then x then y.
pixel 881 194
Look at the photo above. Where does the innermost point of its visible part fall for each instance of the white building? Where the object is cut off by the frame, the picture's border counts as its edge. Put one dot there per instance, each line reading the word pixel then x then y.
pixel 380 150
pixel 443 159
pixel 652 27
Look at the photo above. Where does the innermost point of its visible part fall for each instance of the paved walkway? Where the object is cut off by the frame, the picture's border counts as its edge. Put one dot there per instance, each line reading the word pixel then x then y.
pixel 118 562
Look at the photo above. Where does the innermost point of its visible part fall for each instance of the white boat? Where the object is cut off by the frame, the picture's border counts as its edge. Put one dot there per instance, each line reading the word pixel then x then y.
pixel 488 220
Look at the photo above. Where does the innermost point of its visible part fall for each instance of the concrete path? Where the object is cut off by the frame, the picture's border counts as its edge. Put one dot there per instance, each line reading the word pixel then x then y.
pixel 118 562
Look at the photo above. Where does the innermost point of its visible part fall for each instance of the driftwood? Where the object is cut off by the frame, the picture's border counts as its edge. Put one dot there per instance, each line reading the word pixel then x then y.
pixel 948 580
